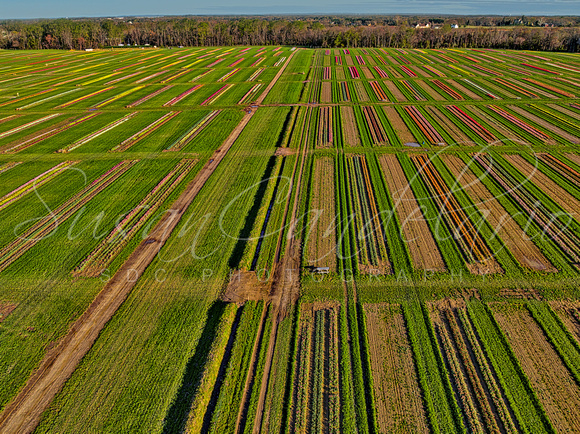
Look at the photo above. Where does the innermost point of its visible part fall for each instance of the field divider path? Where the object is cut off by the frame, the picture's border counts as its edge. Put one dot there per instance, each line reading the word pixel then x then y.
pixel 23 413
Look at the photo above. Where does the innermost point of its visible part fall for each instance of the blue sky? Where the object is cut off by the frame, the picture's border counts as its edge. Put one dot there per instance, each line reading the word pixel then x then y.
pixel 77 8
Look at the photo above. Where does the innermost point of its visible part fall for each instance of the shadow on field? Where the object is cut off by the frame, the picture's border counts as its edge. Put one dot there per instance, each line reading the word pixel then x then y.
pixel 246 231
pixel 176 418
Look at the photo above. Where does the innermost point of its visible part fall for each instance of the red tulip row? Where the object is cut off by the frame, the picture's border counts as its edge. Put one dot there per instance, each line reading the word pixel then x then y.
pixel 430 132
pixel 360 60
pixel 127 143
pixel 475 126
pixel 257 62
pixel 550 88
pixel 377 131
pixel 181 96
pixel 523 125
pixel 345 91
pixel 326 74
pixel 110 246
pixel 47 225
pixel 408 71
pixel 453 94
pixel 353 72
pixel 487 70
pixel 541 69
pixel 382 73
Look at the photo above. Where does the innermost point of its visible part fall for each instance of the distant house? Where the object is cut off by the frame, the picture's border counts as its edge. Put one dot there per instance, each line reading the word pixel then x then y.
pixel 454 26
pixel 88 49
pixel 423 26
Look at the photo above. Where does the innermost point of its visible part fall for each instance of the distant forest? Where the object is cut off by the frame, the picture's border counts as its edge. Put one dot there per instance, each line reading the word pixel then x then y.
pixel 526 33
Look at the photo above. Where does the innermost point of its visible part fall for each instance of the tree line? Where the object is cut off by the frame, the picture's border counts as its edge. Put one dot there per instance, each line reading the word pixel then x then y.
pixel 561 34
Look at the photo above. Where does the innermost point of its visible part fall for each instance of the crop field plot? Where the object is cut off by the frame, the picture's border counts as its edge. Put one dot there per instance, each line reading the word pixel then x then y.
pixel 284 239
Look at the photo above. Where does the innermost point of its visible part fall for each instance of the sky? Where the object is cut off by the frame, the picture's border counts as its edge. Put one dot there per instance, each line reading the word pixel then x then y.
pixel 11 9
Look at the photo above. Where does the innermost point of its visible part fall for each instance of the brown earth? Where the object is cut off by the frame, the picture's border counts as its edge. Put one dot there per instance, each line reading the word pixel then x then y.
pixel 244 286
pixel 396 387
pixel 504 226
pixel 416 233
pixel 554 385
pixel 361 91
pixel 569 312
pixel 464 90
pixel 496 125
pixel 403 132
pixel 395 91
pixel 23 413
pixel 326 94
pixel 321 236
pixel 429 90
pixel 349 126
pixel 367 73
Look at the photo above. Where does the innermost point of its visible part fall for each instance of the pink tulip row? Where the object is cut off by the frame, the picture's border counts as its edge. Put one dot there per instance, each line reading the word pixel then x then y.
pixel 28 125
pixel 45 226
pixel 148 97
pixel 353 72
pixel 181 96
pixel 122 78
pixel 382 73
pixel 149 77
pixel 237 62
pixel 110 246
pixel 203 74
pixel 257 62
pixel 7 166
pixel 50 133
pixel 214 96
pixel 250 93
pixel 487 70
pixel 338 60
pixel 229 74
pixel 127 143
pixel 174 76
pixel 326 74
pixel 408 71
pixel 360 60
pixel 214 63
pixel 97 133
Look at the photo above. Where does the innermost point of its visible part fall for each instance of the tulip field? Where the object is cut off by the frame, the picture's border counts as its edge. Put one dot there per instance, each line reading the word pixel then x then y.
pixel 286 239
